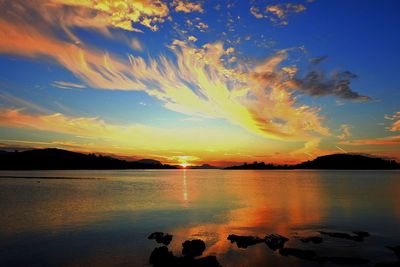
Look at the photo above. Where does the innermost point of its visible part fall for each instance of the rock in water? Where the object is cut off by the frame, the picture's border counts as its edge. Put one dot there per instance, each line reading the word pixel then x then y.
pixel 395 249
pixel 299 253
pixel 244 241
pixel 161 257
pixel 342 260
pixel 209 261
pixel 388 264
pixel 161 238
pixel 362 234
pixel 275 242
pixel 193 248
pixel 343 236
pixel 313 239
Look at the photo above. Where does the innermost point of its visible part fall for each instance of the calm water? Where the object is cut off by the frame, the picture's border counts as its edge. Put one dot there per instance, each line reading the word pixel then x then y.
pixel 105 221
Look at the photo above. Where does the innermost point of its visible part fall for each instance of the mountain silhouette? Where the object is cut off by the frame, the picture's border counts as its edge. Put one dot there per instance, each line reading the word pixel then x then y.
pixel 203 166
pixel 349 162
pixel 332 162
pixel 59 159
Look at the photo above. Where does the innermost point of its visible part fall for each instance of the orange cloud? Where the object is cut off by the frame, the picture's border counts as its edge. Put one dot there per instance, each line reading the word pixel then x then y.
pixel 390 140
pixel 122 14
pixel 345 131
pixel 396 124
pixel 136 45
pixel 281 12
pixel 277 14
pixel 93 67
pixel 187 6
pixel 198 84
pixel 256 12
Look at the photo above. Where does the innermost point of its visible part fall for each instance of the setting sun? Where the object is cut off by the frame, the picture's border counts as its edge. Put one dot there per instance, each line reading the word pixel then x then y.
pixel 183 165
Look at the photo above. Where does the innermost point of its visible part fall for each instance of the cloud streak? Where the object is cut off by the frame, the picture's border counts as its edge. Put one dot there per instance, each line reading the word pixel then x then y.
pixel 68 85
pixel 194 82
pixel 390 140
pixel 122 14
pixel 277 14
pixel 395 126
pixel 187 6
pixel 345 132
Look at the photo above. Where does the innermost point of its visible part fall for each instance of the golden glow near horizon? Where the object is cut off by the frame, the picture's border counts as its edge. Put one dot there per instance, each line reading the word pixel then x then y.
pixel 201 95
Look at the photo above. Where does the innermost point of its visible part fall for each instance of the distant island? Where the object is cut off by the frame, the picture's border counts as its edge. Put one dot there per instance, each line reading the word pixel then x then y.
pixel 329 162
pixel 59 159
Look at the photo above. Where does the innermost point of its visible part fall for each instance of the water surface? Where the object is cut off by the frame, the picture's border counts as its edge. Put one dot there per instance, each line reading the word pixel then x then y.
pixel 105 221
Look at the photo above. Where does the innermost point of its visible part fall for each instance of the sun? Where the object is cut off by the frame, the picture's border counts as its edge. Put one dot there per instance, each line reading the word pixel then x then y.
pixel 183 165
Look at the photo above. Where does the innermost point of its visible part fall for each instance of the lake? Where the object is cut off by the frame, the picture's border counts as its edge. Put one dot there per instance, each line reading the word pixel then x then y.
pixel 103 218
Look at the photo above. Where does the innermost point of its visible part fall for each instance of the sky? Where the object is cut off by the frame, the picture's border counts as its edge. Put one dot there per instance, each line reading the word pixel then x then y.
pixel 193 82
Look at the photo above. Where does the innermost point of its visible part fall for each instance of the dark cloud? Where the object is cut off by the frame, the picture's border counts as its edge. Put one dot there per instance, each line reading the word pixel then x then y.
pixel 315 83
pixel 317 60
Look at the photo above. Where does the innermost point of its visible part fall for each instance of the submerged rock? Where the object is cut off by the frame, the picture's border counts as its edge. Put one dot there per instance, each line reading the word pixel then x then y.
pixel 342 260
pixel 395 249
pixel 161 256
pixel 193 248
pixel 275 242
pixel 209 261
pixel 244 241
pixel 343 236
pixel 362 233
pixel 388 264
pixel 299 253
pixel 313 239
pixel 161 238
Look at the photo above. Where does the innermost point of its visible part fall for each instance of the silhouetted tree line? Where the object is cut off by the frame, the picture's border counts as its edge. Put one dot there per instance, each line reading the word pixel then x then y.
pixel 58 159
pixel 335 161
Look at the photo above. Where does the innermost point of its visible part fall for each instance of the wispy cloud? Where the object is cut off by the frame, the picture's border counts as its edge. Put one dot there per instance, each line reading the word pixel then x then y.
pixel 390 140
pixel 345 132
pixel 192 38
pixel 196 82
pixel 136 44
pixel 19 103
pixel 122 14
pixel 395 126
pixel 256 12
pixel 187 6
pixel 68 85
pixel 277 14
pixel 200 84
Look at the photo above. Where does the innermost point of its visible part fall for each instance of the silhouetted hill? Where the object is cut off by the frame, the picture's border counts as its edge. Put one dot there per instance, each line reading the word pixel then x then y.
pixel 349 162
pixel 204 166
pixel 58 159
pixel 259 166
pixel 333 162
pixel 149 161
